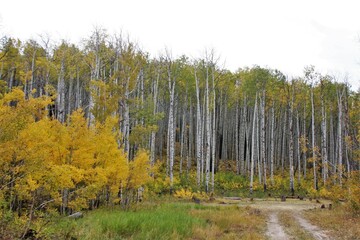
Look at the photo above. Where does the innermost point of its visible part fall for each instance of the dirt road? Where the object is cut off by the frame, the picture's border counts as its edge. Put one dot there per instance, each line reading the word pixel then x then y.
pixel 293 208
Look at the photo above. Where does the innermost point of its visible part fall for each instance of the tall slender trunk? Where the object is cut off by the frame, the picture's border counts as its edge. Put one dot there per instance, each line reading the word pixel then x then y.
pixel 254 130
pixel 272 144
pixel 171 131
pixel 332 155
pixel 208 133
pixel 190 149
pixel 283 148
pixel 70 97
pixel 153 133
pixel 339 140
pixel 242 139
pixel 262 136
pixel 183 134
pixel 291 145
pixel 198 131
pixel 213 133
pixel 298 151
pixel 237 157
pixel 203 140
pixel 324 141
pixel 304 139
pixel 78 91
pixel 313 137
pixel 33 71
pixel 60 99
pixel 126 131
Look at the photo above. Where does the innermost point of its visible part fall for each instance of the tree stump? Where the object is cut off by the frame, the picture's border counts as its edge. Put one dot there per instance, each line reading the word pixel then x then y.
pixel 283 198
pixel 196 200
pixel 330 206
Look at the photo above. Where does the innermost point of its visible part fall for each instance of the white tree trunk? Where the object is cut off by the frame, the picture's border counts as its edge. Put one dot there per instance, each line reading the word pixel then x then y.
pixel 262 137
pixel 60 99
pixel 291 146
pixel 272 144
pixel 304 137
pixel 153 133
pixel 213 150
pixel 208 133
pixel 339 140
pixel 171 129
pixel 253 146
pixel 313 137
pixel 324 142
pixel 198 131
pixel 298 151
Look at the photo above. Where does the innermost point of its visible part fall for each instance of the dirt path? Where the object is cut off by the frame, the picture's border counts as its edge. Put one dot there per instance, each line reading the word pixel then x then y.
pixel 314 230
pixel 274 230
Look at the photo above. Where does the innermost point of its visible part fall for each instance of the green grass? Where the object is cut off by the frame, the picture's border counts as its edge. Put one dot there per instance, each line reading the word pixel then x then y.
pixel 168 221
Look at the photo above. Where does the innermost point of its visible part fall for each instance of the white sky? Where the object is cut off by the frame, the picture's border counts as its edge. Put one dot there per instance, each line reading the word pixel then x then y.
pixel 282 34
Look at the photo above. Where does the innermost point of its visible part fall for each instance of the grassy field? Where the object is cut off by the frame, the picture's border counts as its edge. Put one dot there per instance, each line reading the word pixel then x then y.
pixel 164 221
pixel 225 218
pixel 339 222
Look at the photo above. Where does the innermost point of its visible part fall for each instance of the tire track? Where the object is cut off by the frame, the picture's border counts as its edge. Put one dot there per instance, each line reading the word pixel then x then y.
pixel 274 230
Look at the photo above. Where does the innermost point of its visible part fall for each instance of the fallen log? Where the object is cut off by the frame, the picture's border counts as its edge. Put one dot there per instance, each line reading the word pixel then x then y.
pixel 76 215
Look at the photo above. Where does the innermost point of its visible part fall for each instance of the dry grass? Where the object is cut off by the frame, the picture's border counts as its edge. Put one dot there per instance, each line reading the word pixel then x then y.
pixel 230 223
pixel 339 222
pixel 292 227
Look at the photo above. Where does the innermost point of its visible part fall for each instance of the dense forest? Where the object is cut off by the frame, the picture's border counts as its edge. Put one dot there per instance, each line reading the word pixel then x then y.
pixel 103 123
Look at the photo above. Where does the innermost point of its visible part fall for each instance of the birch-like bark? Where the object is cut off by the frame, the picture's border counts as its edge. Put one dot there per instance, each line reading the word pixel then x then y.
pixel 262 137
pixel 70 96
pixel 253 146
pixel 313 137
pixel 283 148
pixel 198 131
pixel 153 133
pixel 183 134
pixel 332 144
pixel 171 127
pixel 298 151
pixel 224 155
pixel 190 148
pixel 339 138
pixel 324 155
pixel 78 91
pixel 213 150
pixel 60 99
pixel 33 71
pixel 208 133
pixel 272 143
pixel 291 146
pixel 242 138
pixel 126 131
pixel 304 139
pixel 237 157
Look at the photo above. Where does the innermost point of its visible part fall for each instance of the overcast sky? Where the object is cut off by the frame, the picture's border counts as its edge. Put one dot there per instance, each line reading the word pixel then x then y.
pixel 282 34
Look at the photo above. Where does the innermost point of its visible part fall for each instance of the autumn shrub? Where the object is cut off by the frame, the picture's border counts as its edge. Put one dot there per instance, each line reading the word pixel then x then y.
pixel 49 167
pixel 353 193
pixel 228 181
pixel 184 193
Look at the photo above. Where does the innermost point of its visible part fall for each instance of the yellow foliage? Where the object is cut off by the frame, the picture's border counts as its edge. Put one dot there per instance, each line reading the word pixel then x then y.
pixel 201 195
pixel 184 193
pixel 47 157
pixel 139 170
